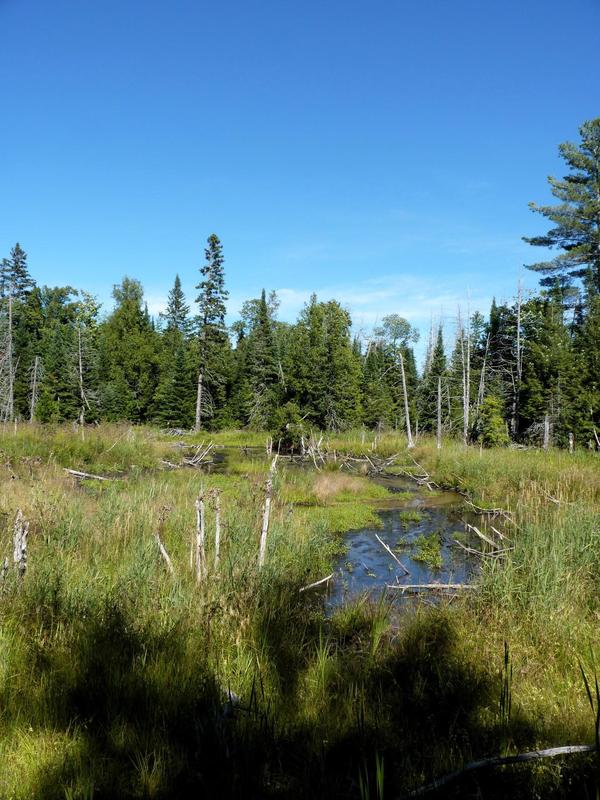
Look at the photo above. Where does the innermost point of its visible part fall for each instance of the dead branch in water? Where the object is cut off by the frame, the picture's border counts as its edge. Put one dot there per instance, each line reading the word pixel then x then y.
pixel 431 587
pixel 497 761
pixel 393 555
pixel 316 583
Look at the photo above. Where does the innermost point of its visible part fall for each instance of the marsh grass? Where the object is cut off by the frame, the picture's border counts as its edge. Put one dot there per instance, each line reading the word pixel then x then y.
pixel 114 674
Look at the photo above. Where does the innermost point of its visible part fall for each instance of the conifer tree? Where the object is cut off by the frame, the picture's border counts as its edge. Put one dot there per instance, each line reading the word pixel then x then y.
pixel 129 358
pixel 213 342
pixel 577 216
pixel 428 387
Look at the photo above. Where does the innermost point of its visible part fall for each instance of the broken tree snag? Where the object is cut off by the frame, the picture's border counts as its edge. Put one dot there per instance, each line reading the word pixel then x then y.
pixel 266 514
pixel 216 500
pixel 200 545
pixel 161 522
pixel 20 531
pixel 498 761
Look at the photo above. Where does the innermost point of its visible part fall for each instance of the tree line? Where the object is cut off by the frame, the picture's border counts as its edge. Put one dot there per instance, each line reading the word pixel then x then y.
pixel 529 371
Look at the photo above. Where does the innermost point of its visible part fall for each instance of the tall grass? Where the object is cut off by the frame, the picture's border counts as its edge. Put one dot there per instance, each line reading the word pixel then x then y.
pixel 115 675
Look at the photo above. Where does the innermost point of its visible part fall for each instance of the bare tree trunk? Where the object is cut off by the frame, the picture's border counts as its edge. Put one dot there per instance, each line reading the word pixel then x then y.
pixel 80 372
pixel 10 400
pixel 439 414
pixel 20 531
pixel 481 391
pixel 217 503
pixel 266 514
pixel 519 360
pixel 546 442
pixel 34 388
pixel 409 437
pixel 200 539
pixel 466 372
pixel 198 424
pixel 571 442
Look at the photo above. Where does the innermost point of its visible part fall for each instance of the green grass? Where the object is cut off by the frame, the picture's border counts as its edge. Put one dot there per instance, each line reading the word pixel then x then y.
pixel 428 550
pixel 114 673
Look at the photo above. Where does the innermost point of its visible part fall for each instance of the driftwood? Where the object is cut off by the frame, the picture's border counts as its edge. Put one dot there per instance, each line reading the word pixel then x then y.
pixel 266 514
pixel 317 583
pixel 200 457
pixel 497 761
pixel 431 587
pixel 86 475
pixel 393 555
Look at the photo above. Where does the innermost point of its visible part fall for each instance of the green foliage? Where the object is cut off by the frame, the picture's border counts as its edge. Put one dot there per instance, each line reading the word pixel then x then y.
pixel 576 230
pixel 492 430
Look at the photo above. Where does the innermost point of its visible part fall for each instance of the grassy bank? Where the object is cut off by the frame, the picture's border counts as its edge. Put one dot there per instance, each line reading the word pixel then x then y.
pixel 115 673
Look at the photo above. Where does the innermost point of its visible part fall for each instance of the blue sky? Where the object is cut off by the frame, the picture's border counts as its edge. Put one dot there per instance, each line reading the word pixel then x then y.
pixel 381 153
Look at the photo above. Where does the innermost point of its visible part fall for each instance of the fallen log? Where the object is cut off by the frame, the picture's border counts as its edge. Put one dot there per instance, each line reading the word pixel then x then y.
pixel 87 475
pixel 431 587
pixel 497 761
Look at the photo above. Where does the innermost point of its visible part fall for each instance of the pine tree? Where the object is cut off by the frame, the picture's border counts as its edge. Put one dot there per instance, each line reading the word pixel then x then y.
pixel 577 217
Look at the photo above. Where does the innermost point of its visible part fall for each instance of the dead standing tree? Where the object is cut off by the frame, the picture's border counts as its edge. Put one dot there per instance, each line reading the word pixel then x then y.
pixel 266 514
pixel 396 334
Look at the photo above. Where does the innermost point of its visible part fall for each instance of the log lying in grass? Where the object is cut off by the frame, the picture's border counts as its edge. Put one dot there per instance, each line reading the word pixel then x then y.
pixel 317 583
pixel 431 587
pixel 88 476
pixel 498 761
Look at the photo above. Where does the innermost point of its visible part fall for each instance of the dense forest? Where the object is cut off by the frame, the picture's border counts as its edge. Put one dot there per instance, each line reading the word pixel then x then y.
pixel 529 372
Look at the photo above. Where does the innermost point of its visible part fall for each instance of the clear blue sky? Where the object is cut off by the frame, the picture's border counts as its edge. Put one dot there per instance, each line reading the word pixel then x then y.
pixel 382 153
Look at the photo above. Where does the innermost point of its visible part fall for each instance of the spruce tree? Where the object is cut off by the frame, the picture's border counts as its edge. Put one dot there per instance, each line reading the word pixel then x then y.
pixel 213 342
pixel 15 279
pixel 428 386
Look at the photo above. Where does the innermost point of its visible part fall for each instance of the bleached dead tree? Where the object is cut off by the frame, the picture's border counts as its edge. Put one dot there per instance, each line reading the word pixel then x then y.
pixel 266 514
pixel 439 414
pixel 199 387
pixel 464 334
pixel 200 538
pixel 409 436
pixel 7 365
pixel 36 374
pixel 216 501
pixel 20 533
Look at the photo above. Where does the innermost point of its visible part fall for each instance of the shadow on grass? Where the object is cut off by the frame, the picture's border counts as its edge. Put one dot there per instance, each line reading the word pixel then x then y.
pixel 149 719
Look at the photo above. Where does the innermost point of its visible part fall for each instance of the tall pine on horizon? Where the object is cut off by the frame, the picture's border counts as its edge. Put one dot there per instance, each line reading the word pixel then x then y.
pixel 213 349
pixel 577 217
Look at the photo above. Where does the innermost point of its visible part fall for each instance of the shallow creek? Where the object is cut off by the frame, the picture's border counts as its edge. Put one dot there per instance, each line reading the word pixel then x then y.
pixel 419 526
